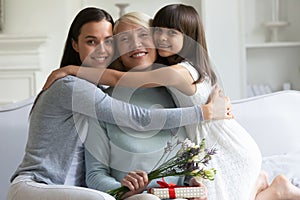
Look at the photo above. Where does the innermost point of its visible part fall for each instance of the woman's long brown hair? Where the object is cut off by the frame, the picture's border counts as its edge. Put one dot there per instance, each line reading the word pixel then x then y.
pixel 70 56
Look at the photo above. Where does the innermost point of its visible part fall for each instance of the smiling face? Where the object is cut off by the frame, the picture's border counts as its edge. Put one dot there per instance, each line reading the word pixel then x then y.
pixel 95 44
pixel 135 45
pixel 168 41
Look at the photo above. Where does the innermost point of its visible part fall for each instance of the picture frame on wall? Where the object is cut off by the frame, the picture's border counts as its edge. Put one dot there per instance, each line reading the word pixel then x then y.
pixel 1 15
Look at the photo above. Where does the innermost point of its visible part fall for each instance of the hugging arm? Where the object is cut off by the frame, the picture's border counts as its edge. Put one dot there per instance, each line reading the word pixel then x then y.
pixel 177 77
pixel 98 76
pixel 113 77
pixel 89 100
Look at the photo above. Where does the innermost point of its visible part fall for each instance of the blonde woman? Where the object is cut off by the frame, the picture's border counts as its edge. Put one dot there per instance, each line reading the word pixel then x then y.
pixel 116 156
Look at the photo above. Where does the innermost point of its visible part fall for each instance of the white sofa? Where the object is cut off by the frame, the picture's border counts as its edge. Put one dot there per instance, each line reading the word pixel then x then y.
pixel 272 120
pixel 13 133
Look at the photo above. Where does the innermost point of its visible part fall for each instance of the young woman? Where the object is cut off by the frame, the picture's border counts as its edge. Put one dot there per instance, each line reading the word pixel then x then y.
pixel 54 153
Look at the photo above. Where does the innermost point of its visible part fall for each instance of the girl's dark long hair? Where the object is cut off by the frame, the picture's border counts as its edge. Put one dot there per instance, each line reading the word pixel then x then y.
pixel 186 20
pixel 86 15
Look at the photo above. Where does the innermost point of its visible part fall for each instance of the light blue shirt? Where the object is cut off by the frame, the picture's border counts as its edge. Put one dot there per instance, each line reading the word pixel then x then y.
pixel 111 151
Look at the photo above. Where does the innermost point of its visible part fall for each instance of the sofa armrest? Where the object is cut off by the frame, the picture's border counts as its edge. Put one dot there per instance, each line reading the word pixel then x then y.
pixel 14 121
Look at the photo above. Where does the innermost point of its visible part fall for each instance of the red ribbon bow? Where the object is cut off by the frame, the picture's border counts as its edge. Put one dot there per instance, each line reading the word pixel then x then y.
pixel 171 187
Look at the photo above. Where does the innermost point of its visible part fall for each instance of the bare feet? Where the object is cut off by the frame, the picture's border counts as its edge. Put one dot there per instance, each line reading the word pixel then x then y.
pixel 280 189
pixel 260 184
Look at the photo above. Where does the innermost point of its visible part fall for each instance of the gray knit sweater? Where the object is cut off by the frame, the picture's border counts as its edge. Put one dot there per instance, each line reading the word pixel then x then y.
pixel 53 135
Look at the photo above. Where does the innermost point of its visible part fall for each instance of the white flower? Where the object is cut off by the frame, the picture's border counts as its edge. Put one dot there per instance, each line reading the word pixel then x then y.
pixel 187 144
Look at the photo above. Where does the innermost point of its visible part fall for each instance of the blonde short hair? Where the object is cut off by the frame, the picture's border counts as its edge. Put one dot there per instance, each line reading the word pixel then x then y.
pixel 137 18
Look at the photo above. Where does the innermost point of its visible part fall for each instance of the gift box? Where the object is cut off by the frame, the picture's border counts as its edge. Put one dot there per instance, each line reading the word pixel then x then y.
pixel 177 192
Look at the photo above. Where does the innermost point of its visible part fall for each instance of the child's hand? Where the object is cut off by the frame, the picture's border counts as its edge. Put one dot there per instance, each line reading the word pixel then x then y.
pixel 136 181
pixel 59 73
pixel 195 182
pixel 217 107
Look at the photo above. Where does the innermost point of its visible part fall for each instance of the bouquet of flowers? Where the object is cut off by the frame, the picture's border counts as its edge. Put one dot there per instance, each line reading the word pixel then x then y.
pixel 190 160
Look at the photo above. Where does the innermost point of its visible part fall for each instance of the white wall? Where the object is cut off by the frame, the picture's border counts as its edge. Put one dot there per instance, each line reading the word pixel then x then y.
pixel 52 19
pixel 222 25
pixel 146 6
pixel 271 64
pixel 42 18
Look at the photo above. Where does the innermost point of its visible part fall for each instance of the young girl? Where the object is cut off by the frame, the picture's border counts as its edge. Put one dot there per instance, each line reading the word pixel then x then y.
pixel 180 40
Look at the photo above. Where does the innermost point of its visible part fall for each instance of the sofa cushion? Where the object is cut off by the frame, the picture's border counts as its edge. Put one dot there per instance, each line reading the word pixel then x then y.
pixel 272 120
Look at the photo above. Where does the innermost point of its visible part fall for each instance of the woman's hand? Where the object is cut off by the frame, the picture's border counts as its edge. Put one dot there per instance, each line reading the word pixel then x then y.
pixel 60 73
pixel 218 106
pixel 136 181
pixel 195 182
